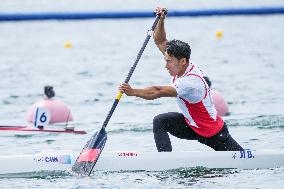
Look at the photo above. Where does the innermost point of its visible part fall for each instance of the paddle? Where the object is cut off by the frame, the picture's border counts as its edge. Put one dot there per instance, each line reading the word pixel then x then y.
pixel 92 150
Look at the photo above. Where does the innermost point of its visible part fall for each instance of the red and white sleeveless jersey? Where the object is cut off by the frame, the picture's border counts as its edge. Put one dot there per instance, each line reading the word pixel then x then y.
pixel 195 102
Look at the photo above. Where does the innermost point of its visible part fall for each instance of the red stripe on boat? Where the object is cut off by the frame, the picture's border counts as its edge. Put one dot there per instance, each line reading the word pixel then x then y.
pixel 89 155
pixel 27 129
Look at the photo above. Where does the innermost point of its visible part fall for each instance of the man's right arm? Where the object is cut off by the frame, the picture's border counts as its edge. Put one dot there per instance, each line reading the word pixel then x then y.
pixel 160 37
pixel 149 93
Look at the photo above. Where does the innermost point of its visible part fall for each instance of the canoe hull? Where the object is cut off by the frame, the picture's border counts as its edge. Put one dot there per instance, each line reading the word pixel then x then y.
pixel 148 161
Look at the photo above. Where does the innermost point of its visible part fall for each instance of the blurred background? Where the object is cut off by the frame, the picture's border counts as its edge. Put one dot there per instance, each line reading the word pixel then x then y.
pixel 86 60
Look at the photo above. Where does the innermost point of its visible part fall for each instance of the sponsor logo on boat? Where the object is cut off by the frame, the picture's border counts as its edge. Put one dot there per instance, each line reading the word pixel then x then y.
pixel 64 159
pixel 243 154
pixel 127 154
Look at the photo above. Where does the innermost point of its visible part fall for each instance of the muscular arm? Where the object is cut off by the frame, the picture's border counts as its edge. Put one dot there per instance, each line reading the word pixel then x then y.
pixel 159 35
pixel 149 93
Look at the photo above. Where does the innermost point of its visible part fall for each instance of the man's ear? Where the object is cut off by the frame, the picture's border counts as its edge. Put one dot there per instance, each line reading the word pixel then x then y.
pixel 183 61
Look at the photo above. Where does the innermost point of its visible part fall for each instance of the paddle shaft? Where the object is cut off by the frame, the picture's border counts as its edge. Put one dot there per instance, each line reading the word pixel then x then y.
pixel 131 71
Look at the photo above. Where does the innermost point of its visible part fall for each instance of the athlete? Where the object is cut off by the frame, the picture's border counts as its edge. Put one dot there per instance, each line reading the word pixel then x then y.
pixel 59 111
pixel 199 119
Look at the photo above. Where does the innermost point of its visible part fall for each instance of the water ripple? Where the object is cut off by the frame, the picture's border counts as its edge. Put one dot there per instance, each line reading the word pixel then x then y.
pixel 261 122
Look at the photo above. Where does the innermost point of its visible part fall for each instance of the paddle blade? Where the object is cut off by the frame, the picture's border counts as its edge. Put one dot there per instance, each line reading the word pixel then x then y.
pixel 90 154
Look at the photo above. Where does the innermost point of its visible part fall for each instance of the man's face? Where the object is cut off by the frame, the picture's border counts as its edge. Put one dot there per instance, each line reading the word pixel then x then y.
pixel 172 64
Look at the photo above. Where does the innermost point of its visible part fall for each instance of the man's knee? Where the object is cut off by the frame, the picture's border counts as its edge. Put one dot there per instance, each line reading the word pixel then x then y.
pixel 158 122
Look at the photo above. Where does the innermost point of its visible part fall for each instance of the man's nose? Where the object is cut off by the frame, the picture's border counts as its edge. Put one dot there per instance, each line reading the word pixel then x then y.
pixel 166 66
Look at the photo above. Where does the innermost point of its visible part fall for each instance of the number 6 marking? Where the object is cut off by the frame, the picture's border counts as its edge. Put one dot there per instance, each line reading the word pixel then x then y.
pixel 43 117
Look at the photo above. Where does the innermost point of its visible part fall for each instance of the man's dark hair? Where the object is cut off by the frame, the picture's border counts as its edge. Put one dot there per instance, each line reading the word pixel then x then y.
pixel 206 78
pixel 178 49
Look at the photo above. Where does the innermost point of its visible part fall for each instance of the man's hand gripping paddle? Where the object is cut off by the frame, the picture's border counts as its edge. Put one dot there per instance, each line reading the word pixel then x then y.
pixel 92 150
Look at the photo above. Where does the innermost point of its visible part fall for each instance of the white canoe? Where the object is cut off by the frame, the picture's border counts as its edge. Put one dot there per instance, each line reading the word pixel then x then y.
pixel 148 161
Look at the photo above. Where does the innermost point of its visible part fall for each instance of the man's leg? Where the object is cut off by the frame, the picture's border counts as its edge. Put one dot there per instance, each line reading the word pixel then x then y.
pixel 222 141
pixel 175 124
